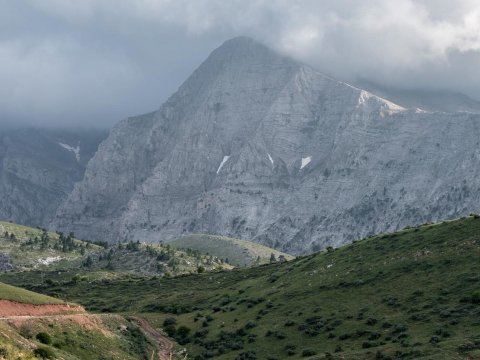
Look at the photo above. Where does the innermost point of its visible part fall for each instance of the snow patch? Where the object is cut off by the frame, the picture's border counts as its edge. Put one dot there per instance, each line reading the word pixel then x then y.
pixel 270 158
pixel 49 260
pixel 225 159
pixel 75 150
pixel 305 161
pixel 385 104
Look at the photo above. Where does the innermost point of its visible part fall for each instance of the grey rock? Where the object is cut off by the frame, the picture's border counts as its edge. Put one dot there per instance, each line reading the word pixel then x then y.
pixel 5 264
pixel 259 146
pixel 440 100
pixel 38 168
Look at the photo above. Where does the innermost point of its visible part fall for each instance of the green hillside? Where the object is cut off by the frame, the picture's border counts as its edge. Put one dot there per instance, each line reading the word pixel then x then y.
pixel 237 252
pixel 27 248
pixel 408 295
pixel 13 293
pixel 151 259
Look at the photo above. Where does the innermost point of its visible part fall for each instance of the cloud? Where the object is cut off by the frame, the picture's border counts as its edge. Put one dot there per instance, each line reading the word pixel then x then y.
pixel 98 61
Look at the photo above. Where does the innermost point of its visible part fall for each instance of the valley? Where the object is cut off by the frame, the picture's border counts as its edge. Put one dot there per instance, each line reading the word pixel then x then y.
pixel 410 294
pixel 315 195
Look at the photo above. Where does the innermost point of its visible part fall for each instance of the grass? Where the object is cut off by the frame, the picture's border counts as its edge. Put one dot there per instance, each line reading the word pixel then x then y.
pixel 22 247
pixel 412 294
pixel 106 337
pixel 238 252
pixel 12 293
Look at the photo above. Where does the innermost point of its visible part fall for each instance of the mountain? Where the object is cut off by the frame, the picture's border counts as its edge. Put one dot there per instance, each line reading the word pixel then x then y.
pixel 406 295
pixel 38 168
pixel 444 101
pixel 255 145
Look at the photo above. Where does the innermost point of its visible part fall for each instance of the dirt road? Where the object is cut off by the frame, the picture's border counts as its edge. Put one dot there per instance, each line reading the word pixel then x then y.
pixel 165 344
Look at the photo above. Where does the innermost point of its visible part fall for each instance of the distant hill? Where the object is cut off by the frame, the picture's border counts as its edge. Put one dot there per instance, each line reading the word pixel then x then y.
pixel 27 248
pixel 24 248
pixel 237 252
pixel 406 295
pixel 150 259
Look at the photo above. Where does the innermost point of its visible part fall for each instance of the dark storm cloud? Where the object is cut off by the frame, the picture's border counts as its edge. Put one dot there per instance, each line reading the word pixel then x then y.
pixel 96 61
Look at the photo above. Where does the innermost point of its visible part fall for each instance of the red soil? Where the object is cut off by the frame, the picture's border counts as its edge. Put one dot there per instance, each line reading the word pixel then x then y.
pixel 12 308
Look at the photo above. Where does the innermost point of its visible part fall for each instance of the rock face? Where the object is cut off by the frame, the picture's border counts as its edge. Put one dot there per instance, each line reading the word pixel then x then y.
pixel 38 169
pixel 5 264
pixel 258 146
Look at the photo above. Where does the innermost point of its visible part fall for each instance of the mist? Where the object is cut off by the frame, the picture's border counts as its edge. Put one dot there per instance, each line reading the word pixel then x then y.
pixel 95 62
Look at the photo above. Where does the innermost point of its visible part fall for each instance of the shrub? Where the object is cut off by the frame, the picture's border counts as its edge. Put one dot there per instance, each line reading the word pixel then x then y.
pixel 169 321
pixel 44 353
pixel 249 355
pixel 250 325
pixel 44 338
pixel 170 330
pixel 434 340
pixel 290 349
pixel 475 298
pixel 183 331
pixel 308 352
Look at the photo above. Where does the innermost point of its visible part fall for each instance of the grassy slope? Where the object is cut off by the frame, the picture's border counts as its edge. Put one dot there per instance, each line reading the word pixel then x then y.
pixel 238 252
pixel 105 262
pixel 112 336
pixel 75 338
pixel 154 259
pixel 12 293
pixel 28 257
pixel 411 294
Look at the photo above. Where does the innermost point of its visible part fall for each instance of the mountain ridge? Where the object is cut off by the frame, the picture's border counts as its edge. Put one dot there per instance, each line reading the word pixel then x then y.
pixel 258 146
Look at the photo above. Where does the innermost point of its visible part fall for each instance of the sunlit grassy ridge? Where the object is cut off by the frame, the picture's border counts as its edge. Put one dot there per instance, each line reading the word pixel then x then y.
pixel 12 293
pixel 26 248
pixel 238 252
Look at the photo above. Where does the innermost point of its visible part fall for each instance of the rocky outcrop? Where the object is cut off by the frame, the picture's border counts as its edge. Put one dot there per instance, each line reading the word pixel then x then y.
pixel 258 146
pixel 38 169
pixel 5 264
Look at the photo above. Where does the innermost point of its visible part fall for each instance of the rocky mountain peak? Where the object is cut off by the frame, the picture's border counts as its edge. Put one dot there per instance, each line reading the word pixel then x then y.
pixel 259 146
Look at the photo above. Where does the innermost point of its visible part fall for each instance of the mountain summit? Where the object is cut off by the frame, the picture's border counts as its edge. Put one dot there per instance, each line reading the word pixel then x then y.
pixel 259 146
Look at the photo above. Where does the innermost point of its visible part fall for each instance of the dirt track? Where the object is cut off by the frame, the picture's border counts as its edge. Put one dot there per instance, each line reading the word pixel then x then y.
pixel 18 312
pixel 165 344
pixel 12 308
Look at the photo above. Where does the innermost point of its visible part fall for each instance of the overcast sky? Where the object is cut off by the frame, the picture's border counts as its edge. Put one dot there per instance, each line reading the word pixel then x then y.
pixel 95 62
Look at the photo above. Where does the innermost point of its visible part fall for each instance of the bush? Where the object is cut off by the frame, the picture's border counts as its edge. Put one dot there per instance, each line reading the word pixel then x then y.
pixel 249 355
pixel 169 321
pixel 308 352
pixel 44 338
pixel 183 331
pixel 250 325
pixel 475 298
pixel 44 353
pixel 170 330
